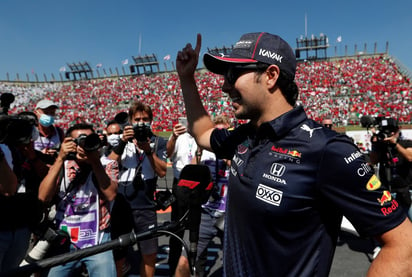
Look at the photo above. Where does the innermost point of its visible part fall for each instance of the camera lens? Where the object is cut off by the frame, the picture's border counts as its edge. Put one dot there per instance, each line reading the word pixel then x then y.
pixel 91 142
pixel 141 131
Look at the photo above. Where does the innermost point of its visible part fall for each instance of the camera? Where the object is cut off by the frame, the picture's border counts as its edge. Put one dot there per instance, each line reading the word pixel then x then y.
pixel 141 131
pixel 122 119
pixel 51 241
pixel 15 129
pixel 89 143
pixel 164 199
pixel 385 126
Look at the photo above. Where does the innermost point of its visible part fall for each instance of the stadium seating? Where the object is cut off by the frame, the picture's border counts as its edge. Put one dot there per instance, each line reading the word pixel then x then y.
pixel 344 89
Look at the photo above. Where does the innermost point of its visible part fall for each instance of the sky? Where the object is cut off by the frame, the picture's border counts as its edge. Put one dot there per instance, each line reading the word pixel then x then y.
pixel 42 36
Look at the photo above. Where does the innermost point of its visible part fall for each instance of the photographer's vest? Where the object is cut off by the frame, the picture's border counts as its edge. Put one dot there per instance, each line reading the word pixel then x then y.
pixel 78 211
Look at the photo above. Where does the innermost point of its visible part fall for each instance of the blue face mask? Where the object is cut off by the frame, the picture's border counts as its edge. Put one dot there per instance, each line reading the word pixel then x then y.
pixel 46 120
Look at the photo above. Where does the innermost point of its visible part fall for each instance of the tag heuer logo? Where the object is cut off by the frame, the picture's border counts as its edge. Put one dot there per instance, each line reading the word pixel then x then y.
pixel 277 169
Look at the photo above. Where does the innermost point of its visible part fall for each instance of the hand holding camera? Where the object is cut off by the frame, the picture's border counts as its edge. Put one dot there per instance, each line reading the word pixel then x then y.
pixel 67 147
pixel 390 139
pixel 128 133
pixel 88 144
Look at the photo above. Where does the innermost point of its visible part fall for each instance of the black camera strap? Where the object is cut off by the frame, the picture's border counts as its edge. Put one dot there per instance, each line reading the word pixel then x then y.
pixel 80 174
pixel 155 151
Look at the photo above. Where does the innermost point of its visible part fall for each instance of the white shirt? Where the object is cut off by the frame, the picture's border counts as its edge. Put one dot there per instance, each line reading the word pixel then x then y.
pixel 185 151
pixel 130 160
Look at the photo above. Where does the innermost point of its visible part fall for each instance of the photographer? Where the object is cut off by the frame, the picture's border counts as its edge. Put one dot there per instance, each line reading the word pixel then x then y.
pixel 394 156
pixel 50 136
pixel 20 209
pixel 85 190
pixel 142 157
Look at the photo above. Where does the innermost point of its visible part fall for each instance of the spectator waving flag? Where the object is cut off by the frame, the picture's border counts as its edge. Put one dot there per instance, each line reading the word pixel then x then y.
pixel 99 65
pixel 126 61
pixel 167 57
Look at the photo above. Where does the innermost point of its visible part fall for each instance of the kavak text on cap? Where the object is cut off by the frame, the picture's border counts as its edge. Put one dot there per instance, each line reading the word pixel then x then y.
pixel 253 48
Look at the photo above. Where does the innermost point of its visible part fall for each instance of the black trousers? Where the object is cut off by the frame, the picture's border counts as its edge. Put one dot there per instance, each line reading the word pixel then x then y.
pixel 175 246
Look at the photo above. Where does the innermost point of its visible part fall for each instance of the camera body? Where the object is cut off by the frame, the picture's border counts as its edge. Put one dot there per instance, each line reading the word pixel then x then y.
pixel 164 199
pixel 89 143
pixel 141 131
pixel 385 126
pixel 51 240
pixel 15 129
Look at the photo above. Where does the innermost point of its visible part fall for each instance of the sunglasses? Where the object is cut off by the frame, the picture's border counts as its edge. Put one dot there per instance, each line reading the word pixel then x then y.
pixel 234 72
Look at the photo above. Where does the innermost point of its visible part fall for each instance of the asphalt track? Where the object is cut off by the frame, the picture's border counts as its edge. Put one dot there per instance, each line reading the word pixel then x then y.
pixel 352 257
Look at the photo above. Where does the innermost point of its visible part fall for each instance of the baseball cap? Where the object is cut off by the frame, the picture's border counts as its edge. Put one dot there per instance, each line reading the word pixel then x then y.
pixel 44 104
pixel 253 48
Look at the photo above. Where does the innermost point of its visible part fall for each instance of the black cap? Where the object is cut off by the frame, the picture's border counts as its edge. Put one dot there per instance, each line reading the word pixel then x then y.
pixel 253 48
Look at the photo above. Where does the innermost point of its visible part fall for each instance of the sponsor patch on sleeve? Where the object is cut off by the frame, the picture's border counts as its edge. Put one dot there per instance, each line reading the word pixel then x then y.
pixel 373 183
pixel 386 197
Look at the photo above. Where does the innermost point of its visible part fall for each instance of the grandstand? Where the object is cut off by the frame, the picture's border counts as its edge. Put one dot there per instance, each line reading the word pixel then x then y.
pixel 344 88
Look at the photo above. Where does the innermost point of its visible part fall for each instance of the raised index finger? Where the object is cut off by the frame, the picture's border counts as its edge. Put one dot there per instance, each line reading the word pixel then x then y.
pixel 198 43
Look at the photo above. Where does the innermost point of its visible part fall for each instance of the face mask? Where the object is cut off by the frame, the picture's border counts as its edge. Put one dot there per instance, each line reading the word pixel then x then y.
pixel 46 120
pixel 113 139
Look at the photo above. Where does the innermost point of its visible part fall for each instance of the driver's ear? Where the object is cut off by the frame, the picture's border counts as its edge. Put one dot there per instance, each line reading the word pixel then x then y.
pixel 272 75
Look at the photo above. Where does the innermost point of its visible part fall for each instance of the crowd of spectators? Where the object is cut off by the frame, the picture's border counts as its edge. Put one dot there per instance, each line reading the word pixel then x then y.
pixel 343 89
pixel 346 89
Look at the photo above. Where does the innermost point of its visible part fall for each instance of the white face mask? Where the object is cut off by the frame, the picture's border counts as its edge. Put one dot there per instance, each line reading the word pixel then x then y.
pixel 114 139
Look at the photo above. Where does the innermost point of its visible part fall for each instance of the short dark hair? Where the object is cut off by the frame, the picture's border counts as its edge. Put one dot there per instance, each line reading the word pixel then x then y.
pixel 79 126
pixel 111 122
pixel 286 83
pixel 139 106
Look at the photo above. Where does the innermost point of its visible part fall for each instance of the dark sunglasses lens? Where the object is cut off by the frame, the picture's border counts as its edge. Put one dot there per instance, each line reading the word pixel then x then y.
pixel 233 74
pixel 231 79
